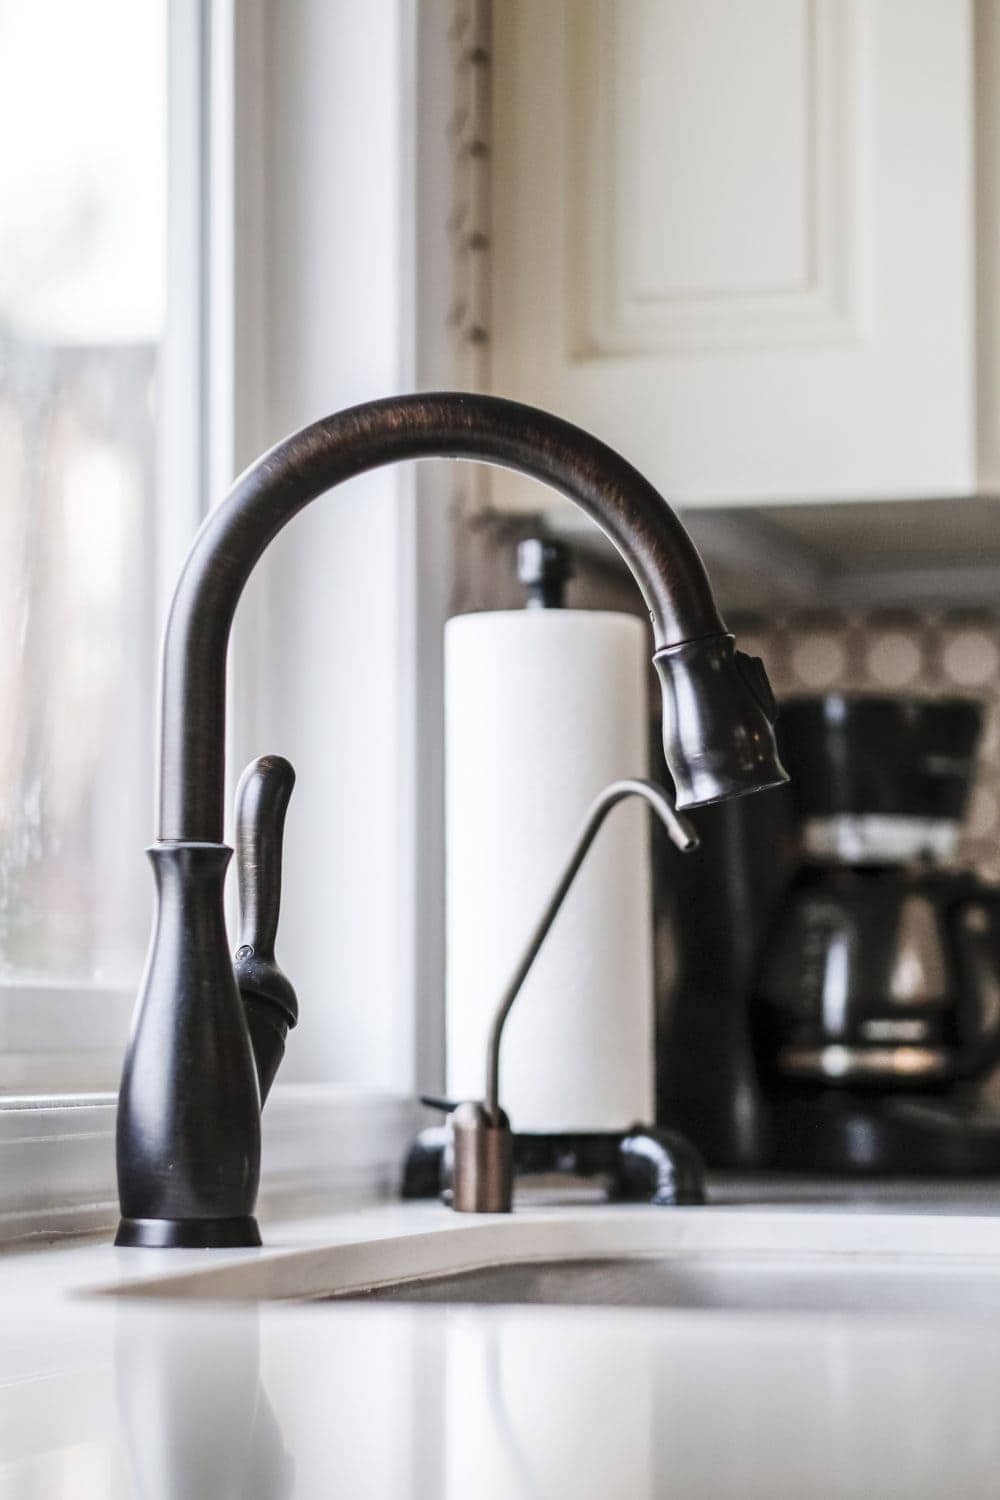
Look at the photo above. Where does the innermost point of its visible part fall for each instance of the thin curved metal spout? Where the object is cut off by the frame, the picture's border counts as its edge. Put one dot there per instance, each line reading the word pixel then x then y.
pixel 481 1138
pixel 188 1140
pixel 680 834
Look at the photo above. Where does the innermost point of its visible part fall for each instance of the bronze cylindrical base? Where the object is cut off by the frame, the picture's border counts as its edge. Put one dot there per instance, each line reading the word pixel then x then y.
pixel 483 1175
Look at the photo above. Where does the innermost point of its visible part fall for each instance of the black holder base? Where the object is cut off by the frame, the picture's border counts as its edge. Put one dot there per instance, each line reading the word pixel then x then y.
pixel 188 1234
pixel 642 1165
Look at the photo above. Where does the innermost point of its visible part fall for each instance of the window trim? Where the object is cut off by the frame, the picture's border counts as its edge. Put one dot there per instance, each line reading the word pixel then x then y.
pixel 56 1149
pixel 412 1056
pixel 56 1028
pixel 58 1037
pixel 322 1144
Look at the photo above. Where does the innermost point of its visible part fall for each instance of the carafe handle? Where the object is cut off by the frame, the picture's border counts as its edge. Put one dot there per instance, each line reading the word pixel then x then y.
pixel 976 932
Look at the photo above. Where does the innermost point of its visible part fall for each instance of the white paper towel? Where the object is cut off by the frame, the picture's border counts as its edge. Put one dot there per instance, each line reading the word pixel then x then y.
pixel 544 707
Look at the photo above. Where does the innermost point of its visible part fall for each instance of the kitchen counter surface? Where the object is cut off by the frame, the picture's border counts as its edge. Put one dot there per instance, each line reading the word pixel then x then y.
pixel 184 1387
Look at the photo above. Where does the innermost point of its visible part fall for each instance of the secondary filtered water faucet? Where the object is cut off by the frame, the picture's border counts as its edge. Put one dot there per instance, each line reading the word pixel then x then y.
pixel 208 1038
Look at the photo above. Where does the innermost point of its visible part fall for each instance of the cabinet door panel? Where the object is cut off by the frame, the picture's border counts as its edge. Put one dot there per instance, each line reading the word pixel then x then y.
pixel 738 240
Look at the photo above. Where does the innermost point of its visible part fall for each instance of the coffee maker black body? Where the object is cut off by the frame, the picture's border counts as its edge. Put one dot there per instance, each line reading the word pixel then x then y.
pixel 836 1005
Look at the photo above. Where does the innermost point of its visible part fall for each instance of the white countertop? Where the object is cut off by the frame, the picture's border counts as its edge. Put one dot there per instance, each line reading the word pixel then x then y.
pixel 184 1395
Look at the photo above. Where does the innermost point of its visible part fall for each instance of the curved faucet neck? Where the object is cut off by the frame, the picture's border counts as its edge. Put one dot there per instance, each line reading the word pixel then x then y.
pixel 627 508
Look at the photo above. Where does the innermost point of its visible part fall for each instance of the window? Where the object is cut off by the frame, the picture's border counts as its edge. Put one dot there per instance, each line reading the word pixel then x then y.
pixel 206 240
pixel 83 288
pixel 214 243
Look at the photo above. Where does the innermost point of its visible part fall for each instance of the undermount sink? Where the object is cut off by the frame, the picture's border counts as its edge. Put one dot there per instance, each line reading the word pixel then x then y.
pixel 735 1283
pixel 934 1251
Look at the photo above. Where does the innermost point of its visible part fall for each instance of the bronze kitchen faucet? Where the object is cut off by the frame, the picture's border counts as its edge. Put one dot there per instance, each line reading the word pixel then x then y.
pixel 208 1036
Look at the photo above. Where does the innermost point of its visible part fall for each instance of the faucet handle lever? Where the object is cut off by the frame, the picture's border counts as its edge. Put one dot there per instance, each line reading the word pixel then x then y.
pixel 268 996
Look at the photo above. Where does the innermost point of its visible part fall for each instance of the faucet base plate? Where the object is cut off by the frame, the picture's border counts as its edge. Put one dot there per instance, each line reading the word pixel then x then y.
pixel 188 1234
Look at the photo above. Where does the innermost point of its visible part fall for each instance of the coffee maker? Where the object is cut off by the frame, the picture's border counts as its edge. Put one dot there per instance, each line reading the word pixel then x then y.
pixel 851 965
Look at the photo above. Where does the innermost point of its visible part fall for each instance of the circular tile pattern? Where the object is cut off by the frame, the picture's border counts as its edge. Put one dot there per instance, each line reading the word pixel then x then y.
pixel 970 658
pixel 894 659
pixel 819 660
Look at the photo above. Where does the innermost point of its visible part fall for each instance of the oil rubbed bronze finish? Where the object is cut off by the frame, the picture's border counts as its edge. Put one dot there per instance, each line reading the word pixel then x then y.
pixel 189 1110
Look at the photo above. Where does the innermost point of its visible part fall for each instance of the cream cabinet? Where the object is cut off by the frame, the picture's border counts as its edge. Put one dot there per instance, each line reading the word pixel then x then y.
pixel 738 240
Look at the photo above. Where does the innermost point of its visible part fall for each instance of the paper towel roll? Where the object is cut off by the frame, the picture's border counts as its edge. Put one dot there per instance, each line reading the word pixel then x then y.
pixel 543 708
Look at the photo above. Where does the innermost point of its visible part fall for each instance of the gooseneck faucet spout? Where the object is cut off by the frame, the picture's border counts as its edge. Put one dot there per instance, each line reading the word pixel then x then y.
pixel 188 1121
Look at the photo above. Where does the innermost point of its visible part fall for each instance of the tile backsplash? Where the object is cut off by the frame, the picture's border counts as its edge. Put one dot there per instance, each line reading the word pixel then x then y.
pixel 932 654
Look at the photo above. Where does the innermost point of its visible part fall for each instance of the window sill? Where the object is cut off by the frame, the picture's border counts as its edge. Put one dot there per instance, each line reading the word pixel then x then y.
pixel 321 1142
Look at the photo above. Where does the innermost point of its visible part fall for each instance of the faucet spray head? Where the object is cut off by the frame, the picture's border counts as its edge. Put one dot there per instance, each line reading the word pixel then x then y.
pixel 718 721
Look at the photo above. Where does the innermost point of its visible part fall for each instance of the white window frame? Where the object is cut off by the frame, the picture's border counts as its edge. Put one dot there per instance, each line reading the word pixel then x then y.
pixel 56 1150
pixel 57 1036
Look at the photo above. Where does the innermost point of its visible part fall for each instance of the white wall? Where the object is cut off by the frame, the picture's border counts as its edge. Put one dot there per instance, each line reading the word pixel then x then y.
pixel 321 656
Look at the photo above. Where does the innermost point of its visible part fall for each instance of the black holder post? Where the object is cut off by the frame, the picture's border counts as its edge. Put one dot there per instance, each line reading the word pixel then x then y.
pixel 188 1116
pixel 544 568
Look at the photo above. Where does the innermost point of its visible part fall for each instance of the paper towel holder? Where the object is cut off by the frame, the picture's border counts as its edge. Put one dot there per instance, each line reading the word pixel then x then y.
pixel 473 1158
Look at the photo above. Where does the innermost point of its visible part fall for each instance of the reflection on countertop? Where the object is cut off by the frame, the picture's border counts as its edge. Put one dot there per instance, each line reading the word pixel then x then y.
pixel 107 1396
